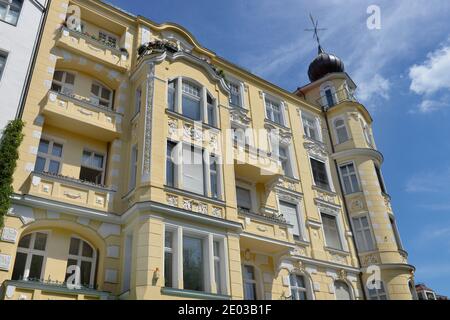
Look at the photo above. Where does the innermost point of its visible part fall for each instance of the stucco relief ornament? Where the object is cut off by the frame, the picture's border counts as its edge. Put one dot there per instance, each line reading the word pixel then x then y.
pixel 370 259
pixel 316 149
pixel 213 142
pixel 357 204
pixel 342 275
pixel 173 127
pixel 203 208
pixel 172 201
pixel 187 204
pixel 217 212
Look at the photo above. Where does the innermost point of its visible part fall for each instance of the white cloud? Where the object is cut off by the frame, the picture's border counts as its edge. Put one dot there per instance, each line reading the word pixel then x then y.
pixel 375 86
pixel 430 181
pixel 427 106
pixel 433 74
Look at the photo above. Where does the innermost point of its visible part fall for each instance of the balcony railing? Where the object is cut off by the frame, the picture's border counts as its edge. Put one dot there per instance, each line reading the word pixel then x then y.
pixel 338 97
pixel 71 190
pixel 95 48
pixel 278 218
pixel 89 118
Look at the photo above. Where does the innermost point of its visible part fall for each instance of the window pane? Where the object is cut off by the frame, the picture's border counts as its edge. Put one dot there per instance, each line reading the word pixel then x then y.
pixel 25 241
pixel 168 239
pixel 342 291
pixel 250 291
pixel 192 264
pixel 211 115
pixel 70 262
pixel 74 246
pixel 87 250
pixel 43 146
pixel 70 78
pixel 217 275
pixel 85 275
pixel 39 165
pixel 249 273
pixel 106 94
pixel 57 149
pixel 168 269
pixel 91 175
pixel 95 89
pixel 40 241
pixel 289 212
pixel 170 166
pixel 331 231
pixel 19 266
pixel 53 167
pixel 36 267
pixel 191 108
pixel 320 174
pixel 243 198
pixel 98 161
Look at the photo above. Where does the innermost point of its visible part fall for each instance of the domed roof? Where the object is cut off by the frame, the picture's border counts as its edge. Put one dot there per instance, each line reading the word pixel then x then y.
pixel 324 64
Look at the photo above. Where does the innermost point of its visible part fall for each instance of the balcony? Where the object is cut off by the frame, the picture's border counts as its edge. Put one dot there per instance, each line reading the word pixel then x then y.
pixel 70 190
pixel 46 290
pixel 81 115
pixel 255 165
pixel 340 96
pixel 94 49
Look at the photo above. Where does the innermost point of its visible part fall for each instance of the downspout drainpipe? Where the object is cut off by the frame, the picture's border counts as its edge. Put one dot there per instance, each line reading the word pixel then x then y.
pixel 324 111
pixel 32 63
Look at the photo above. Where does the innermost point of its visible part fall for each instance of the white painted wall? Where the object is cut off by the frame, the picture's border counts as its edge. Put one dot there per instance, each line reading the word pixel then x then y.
pixel 18 42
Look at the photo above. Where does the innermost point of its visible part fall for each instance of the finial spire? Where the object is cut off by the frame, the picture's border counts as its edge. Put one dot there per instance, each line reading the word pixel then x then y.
pixel 315 31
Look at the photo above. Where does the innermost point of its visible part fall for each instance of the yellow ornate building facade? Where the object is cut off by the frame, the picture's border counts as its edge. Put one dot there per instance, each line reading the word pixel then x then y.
pixel 154 169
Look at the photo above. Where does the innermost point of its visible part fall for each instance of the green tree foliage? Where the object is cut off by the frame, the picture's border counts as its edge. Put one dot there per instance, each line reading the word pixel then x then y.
pixel 9 153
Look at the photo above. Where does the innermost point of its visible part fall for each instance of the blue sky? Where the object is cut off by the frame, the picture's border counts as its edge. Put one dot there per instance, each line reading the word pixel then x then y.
pixel 403 74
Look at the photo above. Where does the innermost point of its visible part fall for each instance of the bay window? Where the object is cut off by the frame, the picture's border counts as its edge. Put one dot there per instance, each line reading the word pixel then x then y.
pixel 30 257
pixel 92 167
pixel 198 171
pixel 194 260
pixel 10 10
pixel 331 231
pixel 363 234
pixel 341 130
pixel 191 101
pixel 63 82
pixel 349 178
pixel 49 157
pixel 320 174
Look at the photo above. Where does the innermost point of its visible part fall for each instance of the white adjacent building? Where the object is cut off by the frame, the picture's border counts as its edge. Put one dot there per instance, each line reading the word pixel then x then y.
pixel 20 23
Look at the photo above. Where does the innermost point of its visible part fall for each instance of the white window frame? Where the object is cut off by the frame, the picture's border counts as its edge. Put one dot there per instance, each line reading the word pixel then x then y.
pixel 369 227
pixel 96 99
pixel 179 230
pixel 317 127
pixel 393 223
pixel 367 133
pixel 3 55
pixel 241 89
pixel 259 287
pixel 245 133
pixel 31 251
pixel 138 100
pixel 108 37
pixel 342 175
pixel 300 220
pixel 178 169
pixel 327 168
pixel 66 88
pixel 323 88
pixel 307 289
pixel 93 152
pixel 8 4
pixel 133 167
pixel 80 257
pixel 339 225
pixel 335 129
pixel 49 156
pixel 349 286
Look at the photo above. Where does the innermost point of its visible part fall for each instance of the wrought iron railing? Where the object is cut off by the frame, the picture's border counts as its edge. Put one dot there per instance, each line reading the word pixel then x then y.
pixel 328 101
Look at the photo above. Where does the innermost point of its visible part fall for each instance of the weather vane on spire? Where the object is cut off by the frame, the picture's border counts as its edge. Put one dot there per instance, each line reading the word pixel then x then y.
pixel 316 30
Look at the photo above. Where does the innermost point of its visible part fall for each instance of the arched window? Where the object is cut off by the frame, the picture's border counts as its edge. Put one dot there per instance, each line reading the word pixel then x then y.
pixel 191 100
pixel 341 130
pixel 342 290
pixel 30 257
pixel 300 287
pixel 83 255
